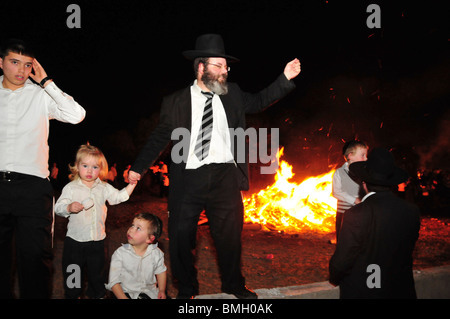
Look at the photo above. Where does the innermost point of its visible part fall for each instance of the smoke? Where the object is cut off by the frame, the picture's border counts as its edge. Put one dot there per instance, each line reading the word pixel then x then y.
pixel 435 155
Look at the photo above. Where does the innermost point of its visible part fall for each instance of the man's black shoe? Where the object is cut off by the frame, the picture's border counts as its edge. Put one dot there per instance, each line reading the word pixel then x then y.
pixel 243 293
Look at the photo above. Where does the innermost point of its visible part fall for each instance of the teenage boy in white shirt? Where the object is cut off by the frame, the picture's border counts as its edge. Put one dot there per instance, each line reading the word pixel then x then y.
pixel 26 194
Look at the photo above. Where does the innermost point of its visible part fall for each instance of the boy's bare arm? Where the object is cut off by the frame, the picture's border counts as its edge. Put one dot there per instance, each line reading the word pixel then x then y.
pixel 118 291
pixel 162 280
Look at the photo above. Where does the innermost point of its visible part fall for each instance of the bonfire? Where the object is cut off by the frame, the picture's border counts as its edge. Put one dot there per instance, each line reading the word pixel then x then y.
pixel 288 207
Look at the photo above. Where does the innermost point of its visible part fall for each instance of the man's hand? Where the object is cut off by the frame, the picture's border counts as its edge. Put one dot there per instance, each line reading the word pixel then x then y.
pixel 292 69
pixel 133 177
pixel 39 73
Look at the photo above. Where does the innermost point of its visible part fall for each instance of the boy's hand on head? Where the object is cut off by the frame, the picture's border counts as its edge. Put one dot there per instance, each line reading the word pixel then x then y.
pixel 39 73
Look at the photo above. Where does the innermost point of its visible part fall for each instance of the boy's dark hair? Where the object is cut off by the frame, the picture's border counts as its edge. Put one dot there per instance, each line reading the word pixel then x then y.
pixel 155 228
pixel 351 146
pixel 15 46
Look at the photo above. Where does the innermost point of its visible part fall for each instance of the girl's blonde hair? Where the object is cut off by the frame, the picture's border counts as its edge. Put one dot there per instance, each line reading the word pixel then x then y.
pixel 83 152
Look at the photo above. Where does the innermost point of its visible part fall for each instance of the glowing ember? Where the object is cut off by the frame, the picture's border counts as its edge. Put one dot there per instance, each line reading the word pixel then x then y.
pixel 290 207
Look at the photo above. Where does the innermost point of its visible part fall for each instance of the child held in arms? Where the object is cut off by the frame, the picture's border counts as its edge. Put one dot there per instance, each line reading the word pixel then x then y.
pixel 345 189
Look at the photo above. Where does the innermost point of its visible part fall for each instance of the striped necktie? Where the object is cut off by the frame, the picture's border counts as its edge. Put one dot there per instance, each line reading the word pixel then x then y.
pixel 204 136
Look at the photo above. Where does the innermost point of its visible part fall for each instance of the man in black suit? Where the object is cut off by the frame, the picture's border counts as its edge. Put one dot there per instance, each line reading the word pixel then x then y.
pixel 207 174
pixel 373 257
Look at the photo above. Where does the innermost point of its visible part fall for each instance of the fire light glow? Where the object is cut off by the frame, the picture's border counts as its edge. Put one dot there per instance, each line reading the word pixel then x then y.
pixel 286 206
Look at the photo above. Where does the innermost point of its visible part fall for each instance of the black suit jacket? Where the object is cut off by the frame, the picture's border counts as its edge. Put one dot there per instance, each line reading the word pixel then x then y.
pixel 383 231
pixel 176 113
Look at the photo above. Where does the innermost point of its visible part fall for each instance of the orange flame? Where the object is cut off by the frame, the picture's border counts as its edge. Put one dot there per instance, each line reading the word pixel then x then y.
pixel 289 207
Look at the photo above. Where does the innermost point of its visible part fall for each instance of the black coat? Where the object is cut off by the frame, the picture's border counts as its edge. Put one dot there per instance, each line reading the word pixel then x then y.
pixel 176 113
pixel 380 231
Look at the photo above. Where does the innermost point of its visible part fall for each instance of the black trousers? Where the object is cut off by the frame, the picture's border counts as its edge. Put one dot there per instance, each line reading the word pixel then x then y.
pixel 26 217
pixel 89 257
pixel 212 188
pixel 339 218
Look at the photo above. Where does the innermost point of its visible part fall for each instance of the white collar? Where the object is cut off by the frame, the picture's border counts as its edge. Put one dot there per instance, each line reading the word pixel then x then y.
pixel 28 82
pixel 196 87
pixel 96 182
pixel 198 90
pixel 346 167
pixel 150 247
pixel 367 195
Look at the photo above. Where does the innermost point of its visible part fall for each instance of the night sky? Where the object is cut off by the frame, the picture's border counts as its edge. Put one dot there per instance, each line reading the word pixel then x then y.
pixel 387 86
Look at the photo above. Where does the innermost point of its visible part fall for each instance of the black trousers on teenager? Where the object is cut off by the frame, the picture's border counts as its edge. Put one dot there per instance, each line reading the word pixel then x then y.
pixel 213 188
pixel 26 218
pixel 90 258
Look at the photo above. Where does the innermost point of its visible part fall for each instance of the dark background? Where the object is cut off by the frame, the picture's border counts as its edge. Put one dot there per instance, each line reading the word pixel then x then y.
pixel 387 86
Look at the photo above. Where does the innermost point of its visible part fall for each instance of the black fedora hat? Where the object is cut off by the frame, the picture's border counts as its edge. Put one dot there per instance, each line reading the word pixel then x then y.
pixel 208 46
pixel 379 169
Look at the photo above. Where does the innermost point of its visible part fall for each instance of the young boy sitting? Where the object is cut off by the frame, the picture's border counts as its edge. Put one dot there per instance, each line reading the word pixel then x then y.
pixel 345 189
pixel 137 269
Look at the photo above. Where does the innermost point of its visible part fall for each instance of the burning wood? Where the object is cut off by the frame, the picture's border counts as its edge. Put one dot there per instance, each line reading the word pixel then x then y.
pixel 286 206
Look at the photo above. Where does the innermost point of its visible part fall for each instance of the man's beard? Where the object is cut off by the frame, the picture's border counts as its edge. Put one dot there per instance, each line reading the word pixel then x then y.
pixel 214 85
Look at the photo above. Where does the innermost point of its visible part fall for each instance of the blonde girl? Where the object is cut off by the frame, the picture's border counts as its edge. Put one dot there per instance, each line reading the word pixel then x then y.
pixel 83 202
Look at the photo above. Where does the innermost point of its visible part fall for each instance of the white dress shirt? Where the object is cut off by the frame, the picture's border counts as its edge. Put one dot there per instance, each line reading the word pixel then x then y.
pixel 220 146
pixel 136 274
pixel 89 224
pixel 24 125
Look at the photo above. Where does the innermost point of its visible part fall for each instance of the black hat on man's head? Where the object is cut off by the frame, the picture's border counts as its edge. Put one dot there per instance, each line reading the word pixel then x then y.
pixel 379 169
pixel 209 46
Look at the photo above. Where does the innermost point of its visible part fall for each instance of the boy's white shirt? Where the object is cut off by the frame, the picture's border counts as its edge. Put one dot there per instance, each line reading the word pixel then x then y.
pixel 24 125
pixel 136 274
pixel 338 191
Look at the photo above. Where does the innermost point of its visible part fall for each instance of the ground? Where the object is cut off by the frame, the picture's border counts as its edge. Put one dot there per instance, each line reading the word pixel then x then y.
pixel 269 259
